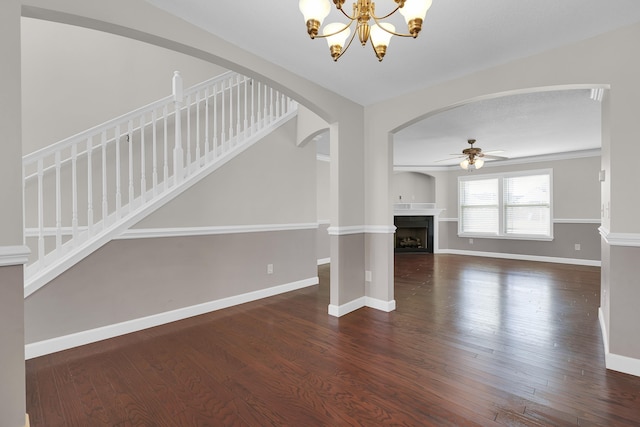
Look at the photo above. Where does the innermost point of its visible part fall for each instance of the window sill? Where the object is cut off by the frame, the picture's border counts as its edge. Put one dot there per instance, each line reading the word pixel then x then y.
pixel 506 237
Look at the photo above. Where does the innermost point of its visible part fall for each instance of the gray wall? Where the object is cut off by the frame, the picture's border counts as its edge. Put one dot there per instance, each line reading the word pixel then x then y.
pixel 623 290
pixel 323 245
pixel 12 370
pixel 562 245
pixel 576 205
pixel 131 279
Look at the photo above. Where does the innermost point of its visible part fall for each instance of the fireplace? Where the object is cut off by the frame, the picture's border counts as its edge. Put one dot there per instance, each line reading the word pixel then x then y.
pixel 413 233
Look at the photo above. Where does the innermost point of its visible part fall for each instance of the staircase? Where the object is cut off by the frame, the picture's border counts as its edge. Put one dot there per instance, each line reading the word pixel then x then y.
pixel 82 192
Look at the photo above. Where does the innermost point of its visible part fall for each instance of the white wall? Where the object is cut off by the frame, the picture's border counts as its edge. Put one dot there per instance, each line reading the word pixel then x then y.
pixel 322 188
pixel 274 182
pixel 413 187
pixel 75 78
pixel 576 189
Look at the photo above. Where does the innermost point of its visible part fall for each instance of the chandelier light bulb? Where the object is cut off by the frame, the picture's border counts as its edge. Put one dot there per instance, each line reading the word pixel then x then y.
pixel 479 162
pixel 380 37
pixel 464 164
pixel 413 9
pixel 336 38
pixel 314 12
pixel 314 9
pixel 339 37
pixel 414 12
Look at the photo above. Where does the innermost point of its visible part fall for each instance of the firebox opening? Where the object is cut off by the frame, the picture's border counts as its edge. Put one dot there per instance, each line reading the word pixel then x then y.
pixel 414 234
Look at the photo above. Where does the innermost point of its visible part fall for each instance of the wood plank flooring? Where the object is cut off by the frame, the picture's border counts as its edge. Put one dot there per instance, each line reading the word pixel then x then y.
pixel 473 342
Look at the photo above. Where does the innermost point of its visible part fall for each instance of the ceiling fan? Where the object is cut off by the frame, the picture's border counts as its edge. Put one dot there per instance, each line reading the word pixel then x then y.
pixel 473 157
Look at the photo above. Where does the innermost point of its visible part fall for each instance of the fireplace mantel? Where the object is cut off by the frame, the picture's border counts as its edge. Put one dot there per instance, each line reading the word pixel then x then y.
pixel 410 209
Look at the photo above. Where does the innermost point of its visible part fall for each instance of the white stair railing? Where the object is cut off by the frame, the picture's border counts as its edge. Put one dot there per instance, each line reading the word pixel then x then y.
pixel 81 192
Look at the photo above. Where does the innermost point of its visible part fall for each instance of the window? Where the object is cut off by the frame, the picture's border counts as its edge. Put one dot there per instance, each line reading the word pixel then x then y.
pixel 510 205
pixel 479 206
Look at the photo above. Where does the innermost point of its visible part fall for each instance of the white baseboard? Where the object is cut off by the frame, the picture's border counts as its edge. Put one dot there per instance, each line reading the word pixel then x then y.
pixel 616 362
pixel 322 261
pixel 381 305
pixel 539 258
pixel 341 310
pixel 98 334
pixel 603 329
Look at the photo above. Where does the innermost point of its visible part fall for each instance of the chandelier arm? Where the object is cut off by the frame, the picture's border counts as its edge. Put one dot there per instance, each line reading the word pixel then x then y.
pixel 375 18
pixel 351 18
pixel 390 32
pixel 374 48
pixel 347 47
pixel 324 36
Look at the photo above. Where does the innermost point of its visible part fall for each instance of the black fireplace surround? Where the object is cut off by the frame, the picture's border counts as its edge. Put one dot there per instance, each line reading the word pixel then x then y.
pixel 413 233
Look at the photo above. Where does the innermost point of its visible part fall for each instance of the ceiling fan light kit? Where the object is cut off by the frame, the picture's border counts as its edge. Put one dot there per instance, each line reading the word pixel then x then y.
pixel 473 159
pixel 471 164
pixel 379 34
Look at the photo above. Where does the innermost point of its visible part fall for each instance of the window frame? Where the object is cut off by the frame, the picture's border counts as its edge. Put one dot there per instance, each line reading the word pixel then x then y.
pixel 501 177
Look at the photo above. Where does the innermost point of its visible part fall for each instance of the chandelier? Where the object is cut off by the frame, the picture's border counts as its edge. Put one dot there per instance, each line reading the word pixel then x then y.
pixel 379 34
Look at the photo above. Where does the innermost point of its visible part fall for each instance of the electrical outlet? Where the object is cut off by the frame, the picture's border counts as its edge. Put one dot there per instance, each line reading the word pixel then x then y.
pixel 471 241
pixel 367 276
pixel 577 246
pixel 269 268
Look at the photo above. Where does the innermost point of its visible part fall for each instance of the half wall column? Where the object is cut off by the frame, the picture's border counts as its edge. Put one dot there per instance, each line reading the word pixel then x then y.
pixel 13 253
pixel 347 230
pixel 379 217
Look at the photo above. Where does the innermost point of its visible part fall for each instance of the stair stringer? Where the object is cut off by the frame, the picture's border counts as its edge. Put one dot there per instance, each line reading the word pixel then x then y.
pixel 76 254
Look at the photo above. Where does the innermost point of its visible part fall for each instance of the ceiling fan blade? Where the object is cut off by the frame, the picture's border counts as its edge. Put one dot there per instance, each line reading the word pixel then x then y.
pixel 494 152
pixel 489 156
pixel 451 158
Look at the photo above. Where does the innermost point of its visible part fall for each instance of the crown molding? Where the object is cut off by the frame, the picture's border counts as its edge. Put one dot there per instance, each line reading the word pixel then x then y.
pixel 569 155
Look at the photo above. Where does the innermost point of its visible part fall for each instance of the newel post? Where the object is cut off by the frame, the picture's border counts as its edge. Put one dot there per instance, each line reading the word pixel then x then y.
pixel 178 152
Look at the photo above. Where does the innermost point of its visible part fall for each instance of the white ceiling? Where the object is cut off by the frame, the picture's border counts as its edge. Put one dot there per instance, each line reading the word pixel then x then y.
pixel 458 37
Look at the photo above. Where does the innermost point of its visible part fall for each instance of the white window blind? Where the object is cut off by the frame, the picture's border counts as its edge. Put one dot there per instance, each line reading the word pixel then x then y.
pixel 479 206
pixel 527 205
pixel 508 205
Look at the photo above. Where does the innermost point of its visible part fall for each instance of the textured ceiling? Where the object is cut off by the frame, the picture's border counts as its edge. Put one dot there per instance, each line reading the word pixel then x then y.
pixel 518 126
pixel 459 37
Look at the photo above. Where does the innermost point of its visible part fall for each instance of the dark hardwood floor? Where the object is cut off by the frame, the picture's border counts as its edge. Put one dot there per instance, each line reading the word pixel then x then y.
pixel 473 342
